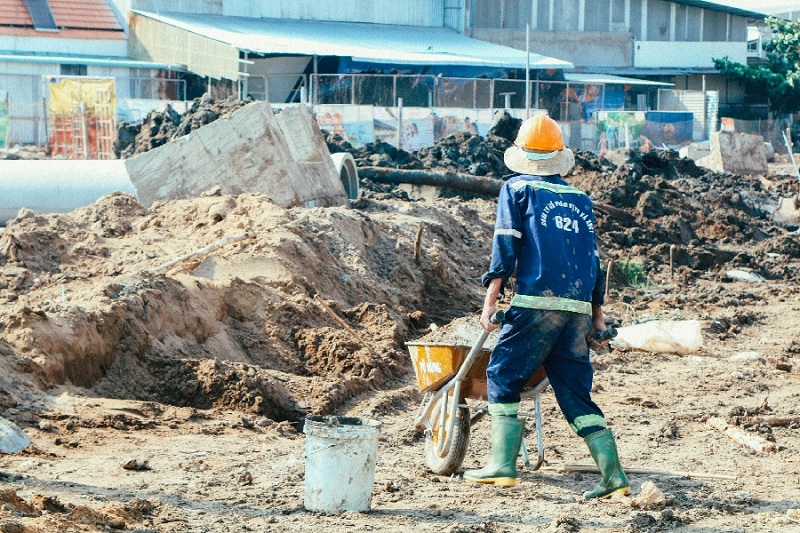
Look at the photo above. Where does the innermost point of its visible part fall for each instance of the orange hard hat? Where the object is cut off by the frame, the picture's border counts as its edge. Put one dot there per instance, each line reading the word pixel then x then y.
pixel 540 133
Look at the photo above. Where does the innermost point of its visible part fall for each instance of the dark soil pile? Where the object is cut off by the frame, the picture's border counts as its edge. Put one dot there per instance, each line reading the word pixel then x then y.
pixel 463 152
pixel 160 127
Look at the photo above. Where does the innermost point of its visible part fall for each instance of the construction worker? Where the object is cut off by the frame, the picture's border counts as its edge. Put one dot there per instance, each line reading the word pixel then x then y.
pixel 544 233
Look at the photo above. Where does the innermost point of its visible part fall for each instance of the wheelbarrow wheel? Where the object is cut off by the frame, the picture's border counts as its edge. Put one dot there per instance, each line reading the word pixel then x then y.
pixel 452 458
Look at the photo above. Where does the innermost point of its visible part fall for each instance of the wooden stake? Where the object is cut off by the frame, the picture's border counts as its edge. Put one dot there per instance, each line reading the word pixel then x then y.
pixel 608 276
pixel 341 322
pixel 671 260
pixel 418 243
pixel 645 471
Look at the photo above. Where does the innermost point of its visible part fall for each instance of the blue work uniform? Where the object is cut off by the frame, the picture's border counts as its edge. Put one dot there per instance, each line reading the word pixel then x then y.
pixel 544 235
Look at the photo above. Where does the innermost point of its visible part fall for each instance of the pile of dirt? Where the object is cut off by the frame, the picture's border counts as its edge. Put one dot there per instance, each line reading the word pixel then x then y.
pixel 86 299
pixel 463 152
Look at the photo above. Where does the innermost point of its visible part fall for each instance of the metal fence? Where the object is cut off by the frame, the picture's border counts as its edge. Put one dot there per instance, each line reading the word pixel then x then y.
pixel 155 89
pixel 276 88
pixel 563 100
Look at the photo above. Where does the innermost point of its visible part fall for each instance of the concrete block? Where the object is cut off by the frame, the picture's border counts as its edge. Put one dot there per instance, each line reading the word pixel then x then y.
pixel 787 212
pixel 282 156
pixel 736 153
pixel 695 151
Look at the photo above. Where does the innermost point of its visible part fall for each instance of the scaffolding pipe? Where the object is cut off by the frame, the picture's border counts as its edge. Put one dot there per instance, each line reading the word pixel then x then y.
pixel 527 71
pixel 58 185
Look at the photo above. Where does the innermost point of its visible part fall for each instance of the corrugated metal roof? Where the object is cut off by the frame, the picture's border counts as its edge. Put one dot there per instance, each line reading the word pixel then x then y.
pixel 82 15
pixel 656 71
pixel 373 43
pixel 718 7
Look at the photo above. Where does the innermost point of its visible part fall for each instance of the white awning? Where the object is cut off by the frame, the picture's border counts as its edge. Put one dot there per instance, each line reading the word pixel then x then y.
pixel 609 79
pixel 372 43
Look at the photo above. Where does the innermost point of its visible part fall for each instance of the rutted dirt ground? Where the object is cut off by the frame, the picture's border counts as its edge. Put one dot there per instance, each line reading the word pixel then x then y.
pixel 162 360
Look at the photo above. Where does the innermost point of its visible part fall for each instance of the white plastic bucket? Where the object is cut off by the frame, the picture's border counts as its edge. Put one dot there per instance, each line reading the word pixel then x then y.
pixel 341 453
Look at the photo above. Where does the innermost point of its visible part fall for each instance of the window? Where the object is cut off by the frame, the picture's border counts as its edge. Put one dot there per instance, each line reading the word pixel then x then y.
pixel 73 70
pixel 596 16
pixel 693 23
pixel 659 17
pixel 680 22
pixel 636 20
pixel 517 13
pixel 738 28
pixel 715 26
pixel 543 15
pixel 618 16
pixel 487 14
pixel 566 15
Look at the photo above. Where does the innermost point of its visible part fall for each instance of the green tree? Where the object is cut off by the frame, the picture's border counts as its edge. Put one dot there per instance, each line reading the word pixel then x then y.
pixel 779 76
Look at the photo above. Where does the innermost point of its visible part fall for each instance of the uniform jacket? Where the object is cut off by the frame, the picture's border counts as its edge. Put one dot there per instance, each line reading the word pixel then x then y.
pixel 545 233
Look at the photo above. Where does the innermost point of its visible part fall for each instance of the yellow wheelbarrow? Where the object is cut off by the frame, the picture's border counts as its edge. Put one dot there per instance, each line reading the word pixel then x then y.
pixel 449 375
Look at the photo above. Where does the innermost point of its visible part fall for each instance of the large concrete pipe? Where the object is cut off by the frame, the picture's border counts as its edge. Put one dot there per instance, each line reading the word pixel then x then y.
pixel 58 185
pixel 346 168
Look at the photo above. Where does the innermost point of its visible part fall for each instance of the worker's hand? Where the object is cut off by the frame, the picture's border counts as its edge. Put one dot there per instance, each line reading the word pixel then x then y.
pixel 486 316
pixel 597 338
pixel 600 333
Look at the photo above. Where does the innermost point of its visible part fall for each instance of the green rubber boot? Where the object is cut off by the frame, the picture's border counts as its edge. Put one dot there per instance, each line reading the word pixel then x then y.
pixel 604 452
pixel 506 440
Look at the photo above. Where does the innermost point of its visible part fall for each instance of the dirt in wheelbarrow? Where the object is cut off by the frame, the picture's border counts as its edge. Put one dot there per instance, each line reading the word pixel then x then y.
pixel 162 360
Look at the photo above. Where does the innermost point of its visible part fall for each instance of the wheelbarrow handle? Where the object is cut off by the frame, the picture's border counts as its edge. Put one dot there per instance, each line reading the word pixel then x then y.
pixel 498 317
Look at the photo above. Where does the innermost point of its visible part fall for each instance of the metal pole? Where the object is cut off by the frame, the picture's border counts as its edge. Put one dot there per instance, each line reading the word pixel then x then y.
pixel 491 96
pixel 84 130
pixel 399 123
pixel 315 84
pixel 527 70
pixel 787 139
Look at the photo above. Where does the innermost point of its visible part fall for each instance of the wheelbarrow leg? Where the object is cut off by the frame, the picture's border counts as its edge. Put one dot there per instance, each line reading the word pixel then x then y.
pixel 539 439
pixel 526 459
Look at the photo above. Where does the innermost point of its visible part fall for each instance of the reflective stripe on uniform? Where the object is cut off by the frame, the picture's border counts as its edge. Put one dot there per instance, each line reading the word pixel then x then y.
pixel 503 409
pixel 586 421
pixel 512 232
pixel 552 303
pixel 552 187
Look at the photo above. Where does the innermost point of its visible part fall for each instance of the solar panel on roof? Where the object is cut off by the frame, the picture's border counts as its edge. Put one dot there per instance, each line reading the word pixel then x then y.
pixel 41 15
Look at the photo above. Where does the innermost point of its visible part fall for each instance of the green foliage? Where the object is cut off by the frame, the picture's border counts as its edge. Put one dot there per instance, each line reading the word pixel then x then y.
pixel 779 76
pixel 630 273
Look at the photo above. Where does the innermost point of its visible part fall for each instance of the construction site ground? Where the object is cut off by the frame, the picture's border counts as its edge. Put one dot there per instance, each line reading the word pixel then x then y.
pixel 162 360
